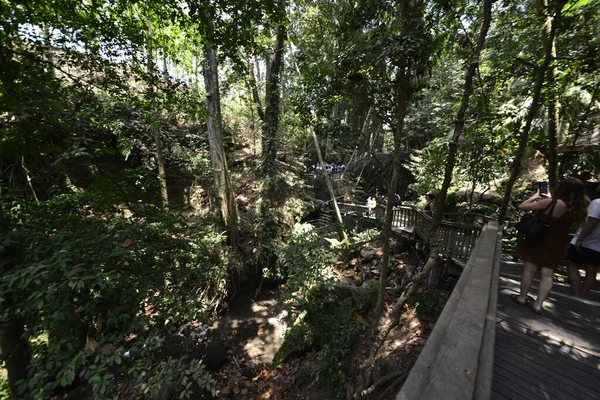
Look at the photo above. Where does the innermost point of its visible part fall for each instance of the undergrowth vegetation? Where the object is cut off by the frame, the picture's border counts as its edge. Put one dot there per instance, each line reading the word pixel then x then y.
pixel 324 314
pixel 90 286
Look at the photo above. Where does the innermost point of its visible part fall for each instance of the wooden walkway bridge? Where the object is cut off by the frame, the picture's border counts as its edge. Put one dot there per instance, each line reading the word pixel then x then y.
pixel 457 238
pixel 486 346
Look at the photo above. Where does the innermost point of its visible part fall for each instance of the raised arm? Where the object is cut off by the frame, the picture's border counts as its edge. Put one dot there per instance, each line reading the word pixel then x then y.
pixel 535 203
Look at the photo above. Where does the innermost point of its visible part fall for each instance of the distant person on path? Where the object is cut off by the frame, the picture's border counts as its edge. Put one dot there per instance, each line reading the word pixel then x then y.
pixel 371 203
pixel 396 200
pixel 379 198
pixel 547 253
pixel 428 207
pixel 584 251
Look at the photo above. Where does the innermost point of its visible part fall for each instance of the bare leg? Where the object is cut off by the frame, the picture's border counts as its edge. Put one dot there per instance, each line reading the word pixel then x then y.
pixel 575 279
pixel 529 271
pixel 590 279
pixel 545 287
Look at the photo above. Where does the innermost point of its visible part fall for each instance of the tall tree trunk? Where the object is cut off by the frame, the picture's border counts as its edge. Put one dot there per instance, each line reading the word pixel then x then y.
pixel 552 103
pixel 254 88
pixel 459 124
pixel 403 94
pixel 14 347
pixel 535 106
pixel 269 136
pixel 214 123
pixel 160 160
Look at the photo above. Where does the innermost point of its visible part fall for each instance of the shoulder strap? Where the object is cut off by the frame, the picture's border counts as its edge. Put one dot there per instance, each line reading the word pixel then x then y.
pixel 551 207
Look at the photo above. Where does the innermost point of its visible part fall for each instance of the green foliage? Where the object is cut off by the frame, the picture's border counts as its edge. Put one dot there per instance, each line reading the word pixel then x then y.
pixel 331 312
pixel 78 275
pixel 330 322
pixel 304 260
pixel 427 165
pixel 451 201
pixel 4 390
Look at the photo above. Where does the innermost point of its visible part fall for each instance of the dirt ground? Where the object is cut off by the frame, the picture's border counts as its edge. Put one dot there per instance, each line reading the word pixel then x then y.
pixel 253 330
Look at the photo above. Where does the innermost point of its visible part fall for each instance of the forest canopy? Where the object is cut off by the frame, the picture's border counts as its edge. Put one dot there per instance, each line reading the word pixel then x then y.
pixel 154 155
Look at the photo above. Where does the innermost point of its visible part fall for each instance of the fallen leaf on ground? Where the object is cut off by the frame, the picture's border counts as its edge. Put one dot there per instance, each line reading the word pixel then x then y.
pixel 129 242
pixel 358 318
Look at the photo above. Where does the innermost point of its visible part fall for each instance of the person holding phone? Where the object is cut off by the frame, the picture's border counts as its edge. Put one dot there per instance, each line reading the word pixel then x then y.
pixel 584 251
pixel 543 188
pixel 545 254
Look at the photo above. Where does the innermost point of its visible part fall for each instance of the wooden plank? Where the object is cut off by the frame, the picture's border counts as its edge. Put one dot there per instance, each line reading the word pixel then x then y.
pixel 435 339
pixel 498 396
pixel 570 334
pixel 578 328
pixel 523 366
pixel 542 355
pixel 521 386
pixel 509 389
pixel 583 314
pixel 502 393
pixel 577 388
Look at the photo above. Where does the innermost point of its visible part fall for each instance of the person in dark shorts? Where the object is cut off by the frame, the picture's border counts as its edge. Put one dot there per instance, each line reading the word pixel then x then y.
pixel 584 251
pixel 546 254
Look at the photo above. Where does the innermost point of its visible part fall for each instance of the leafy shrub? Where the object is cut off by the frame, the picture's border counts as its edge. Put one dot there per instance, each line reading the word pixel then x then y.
pixel 331 312
pixel 329 323
pixel 4 391
pixel 90 286
pixel 305 259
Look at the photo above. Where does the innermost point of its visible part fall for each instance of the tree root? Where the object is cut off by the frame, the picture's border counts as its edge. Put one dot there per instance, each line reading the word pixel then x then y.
pixel 393 316
pixel 383 380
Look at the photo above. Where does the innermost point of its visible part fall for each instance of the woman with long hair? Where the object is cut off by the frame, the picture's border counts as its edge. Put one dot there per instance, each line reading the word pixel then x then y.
pixel 546 254
pixel 429 204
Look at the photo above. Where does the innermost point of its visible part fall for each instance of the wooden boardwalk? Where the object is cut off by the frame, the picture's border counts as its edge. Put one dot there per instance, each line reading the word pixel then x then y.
pixel 552 356
pixel 457 239
pixel 484 345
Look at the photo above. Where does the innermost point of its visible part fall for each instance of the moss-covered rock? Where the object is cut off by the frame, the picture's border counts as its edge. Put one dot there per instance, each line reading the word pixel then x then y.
pixel 330 318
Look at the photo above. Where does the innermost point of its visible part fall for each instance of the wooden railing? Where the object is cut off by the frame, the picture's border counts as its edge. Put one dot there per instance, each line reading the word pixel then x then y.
pixel 457 360
pixel 457 239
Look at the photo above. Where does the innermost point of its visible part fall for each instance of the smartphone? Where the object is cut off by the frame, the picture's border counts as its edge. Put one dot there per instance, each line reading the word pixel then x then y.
pixel 543 186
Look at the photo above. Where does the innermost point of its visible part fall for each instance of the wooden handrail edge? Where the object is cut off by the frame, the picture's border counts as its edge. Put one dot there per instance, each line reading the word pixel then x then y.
pixel 458 357
pixel 483 382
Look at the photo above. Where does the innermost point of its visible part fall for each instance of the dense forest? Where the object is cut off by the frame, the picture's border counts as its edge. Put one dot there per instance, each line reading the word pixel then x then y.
pixel 161 159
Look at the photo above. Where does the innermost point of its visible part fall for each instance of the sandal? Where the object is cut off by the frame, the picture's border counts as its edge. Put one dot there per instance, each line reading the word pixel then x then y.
pixel 515 298
pixel 531 305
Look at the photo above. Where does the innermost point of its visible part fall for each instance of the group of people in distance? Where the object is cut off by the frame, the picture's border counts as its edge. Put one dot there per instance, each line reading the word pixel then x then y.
pixel 329 168
pixel 372 202
pixel 567 206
